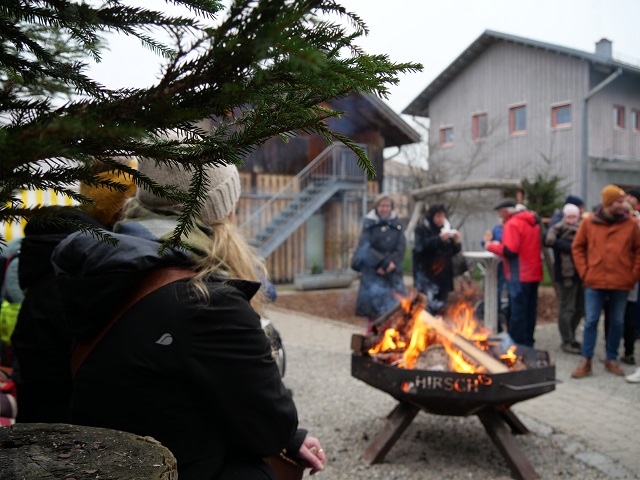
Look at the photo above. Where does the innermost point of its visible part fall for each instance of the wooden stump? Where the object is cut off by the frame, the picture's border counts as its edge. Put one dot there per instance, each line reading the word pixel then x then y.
pixel 36 451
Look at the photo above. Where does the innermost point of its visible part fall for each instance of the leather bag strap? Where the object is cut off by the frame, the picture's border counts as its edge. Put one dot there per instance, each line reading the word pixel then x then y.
pixel 158 278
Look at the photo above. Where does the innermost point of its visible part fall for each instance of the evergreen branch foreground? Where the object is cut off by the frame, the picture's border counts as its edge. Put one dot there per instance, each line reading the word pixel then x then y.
pixel 257 70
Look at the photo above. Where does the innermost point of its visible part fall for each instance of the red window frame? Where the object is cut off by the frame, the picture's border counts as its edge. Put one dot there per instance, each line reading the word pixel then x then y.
pixel 443 135
pixel 554 116
pixel 635 119
pixel 618 116
pixel 512 120
pixel 477 135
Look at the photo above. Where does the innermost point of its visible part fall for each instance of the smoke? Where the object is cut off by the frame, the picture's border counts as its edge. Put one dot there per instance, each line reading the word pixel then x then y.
pixel 435 304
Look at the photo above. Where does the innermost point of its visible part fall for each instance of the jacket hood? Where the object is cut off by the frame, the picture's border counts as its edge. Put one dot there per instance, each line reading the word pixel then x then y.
pixel 96 278
pixel 526 216
pixel 372 218
pixel 42 237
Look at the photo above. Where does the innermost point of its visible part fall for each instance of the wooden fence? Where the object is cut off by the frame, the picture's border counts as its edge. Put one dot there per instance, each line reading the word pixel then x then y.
pixel 340 237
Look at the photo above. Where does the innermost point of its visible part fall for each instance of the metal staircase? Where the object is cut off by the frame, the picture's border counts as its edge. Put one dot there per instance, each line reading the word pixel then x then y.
pixel 334 170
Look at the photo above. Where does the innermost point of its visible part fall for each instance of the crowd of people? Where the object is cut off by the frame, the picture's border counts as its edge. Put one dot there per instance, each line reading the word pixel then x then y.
pixel 596 269
pixel 95 320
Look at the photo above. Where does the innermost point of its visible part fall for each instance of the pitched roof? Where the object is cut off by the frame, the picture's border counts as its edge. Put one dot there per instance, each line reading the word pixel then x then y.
pixel 364 110
pixel 420 105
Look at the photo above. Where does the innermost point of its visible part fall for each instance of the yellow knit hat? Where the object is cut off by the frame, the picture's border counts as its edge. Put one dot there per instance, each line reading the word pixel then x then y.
pixel 108 203
pixel 611 193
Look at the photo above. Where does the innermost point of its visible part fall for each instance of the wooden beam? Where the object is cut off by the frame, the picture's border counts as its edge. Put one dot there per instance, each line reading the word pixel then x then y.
pixel 439 188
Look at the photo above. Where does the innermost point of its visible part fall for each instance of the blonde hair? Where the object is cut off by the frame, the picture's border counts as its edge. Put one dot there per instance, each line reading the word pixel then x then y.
pixel 230 253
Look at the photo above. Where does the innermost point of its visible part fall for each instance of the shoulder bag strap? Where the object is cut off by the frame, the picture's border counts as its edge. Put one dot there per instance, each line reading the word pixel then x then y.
pixel 158 278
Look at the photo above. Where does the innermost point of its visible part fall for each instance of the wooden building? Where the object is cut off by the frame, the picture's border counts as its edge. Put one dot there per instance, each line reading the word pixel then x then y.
pixel 304 200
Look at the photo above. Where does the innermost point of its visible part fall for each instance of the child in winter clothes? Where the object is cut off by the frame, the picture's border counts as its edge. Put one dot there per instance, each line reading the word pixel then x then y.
pixel 571 308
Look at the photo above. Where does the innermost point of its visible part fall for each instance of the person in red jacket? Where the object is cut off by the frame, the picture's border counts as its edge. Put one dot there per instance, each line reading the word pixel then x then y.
pixel 606 253
pixel 522 262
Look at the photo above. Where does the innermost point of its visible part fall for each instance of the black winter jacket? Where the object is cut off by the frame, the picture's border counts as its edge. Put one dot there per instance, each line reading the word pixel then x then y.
pixel 381 242
pixel 42 339
pixel 432 258
pixel 196 375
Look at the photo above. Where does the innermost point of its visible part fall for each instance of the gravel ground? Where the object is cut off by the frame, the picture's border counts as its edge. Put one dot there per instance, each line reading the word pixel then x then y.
pixel 345 414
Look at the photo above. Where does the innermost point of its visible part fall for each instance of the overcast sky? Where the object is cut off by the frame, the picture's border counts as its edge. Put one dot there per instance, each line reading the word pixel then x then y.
pixel 435 32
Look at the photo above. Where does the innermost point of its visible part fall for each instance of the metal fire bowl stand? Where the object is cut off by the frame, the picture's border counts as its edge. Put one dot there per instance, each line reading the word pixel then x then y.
pixel 488 396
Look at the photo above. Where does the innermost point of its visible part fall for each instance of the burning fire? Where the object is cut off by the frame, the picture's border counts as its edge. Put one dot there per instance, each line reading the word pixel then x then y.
pixel 402 346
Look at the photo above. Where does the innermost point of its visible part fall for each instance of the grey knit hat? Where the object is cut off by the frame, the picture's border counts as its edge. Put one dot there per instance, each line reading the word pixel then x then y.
pixel 221 199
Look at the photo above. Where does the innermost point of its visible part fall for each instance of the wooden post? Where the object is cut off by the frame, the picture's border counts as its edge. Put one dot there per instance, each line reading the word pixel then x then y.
pixel 33 451
pixel 397 422
pixel 520 467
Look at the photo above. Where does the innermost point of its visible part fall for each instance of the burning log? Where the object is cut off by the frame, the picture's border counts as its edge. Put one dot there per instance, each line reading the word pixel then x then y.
pixel 401 314
pixel 491 364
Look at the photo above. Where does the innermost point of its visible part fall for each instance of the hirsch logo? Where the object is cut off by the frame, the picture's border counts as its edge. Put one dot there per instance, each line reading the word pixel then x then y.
pixel 165 339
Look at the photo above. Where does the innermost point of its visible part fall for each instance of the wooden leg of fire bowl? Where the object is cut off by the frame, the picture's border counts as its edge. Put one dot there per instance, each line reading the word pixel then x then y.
pixel 397 422
pixel 502 438
pixel 510 418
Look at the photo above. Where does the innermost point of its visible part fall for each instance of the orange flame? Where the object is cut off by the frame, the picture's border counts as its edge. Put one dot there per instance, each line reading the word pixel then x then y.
pixel 417 344
pixel 390 341
pixel 510 357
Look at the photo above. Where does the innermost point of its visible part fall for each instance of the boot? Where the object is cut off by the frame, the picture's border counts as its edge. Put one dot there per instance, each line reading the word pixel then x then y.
pixel 584 368
pixel 613 367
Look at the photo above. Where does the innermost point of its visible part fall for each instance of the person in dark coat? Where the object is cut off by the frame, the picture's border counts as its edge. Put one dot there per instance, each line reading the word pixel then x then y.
pixel 378 257
pixel 42 340
pixel 570 291
pixel 188 364
pixel 433 251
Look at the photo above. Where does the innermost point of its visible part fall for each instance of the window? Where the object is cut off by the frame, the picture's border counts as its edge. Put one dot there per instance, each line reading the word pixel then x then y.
pixel 446 136
pixel 480 126
pixel 635 120
pixel 518 120
pixel 618 116
pixel 561 116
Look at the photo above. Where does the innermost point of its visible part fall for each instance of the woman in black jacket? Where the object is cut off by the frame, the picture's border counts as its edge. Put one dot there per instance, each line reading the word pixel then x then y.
pixel 433 253
pixel 189 363
pixel 378 257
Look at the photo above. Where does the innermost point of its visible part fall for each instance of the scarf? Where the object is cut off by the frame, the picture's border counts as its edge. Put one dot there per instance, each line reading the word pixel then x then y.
pixel 158 224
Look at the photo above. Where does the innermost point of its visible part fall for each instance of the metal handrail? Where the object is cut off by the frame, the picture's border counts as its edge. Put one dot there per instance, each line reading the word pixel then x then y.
pixel 329 165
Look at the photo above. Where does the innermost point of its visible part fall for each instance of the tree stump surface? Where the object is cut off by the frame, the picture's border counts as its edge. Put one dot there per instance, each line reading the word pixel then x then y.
pixel 41 451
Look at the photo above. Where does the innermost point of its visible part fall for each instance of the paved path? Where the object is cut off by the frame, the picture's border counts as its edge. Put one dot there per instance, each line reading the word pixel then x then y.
pixel 596 419
pixel 602 411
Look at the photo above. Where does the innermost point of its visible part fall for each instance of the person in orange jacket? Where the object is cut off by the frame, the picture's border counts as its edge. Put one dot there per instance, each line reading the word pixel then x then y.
pixel 606 253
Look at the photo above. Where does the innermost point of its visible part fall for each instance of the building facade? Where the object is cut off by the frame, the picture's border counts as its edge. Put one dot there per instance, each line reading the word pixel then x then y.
pixel 510 107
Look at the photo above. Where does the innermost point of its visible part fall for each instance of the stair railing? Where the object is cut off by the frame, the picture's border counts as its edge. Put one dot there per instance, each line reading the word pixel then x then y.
pixel 333 163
